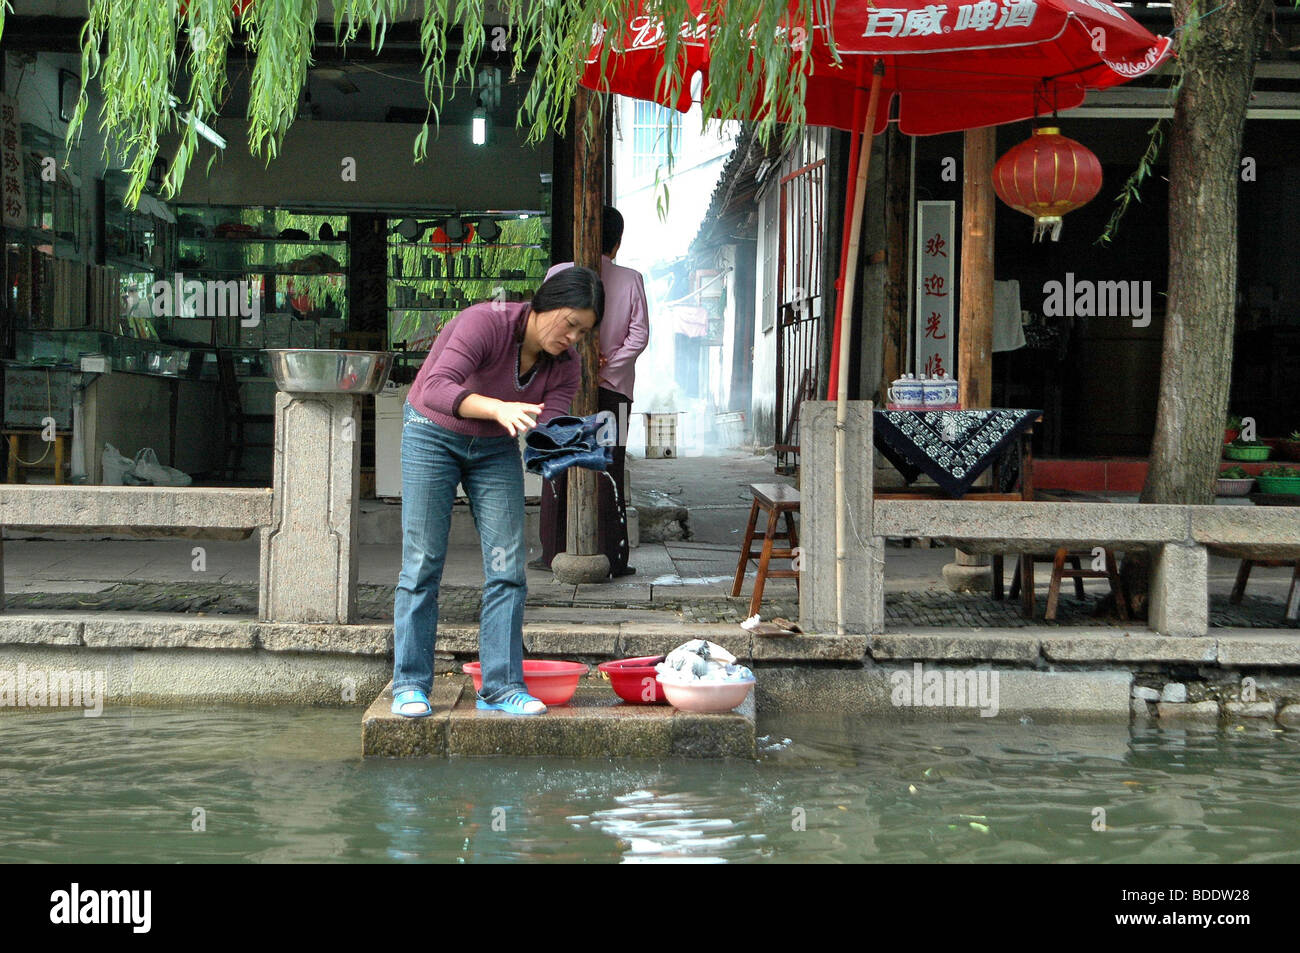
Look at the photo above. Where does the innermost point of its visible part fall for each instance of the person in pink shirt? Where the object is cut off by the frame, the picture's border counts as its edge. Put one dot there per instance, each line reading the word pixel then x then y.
pixel 495 371
pixel 623 334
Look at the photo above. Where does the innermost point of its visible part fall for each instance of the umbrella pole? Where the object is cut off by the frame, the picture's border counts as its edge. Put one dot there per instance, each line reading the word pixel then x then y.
pixel 846 336
pixel 855 145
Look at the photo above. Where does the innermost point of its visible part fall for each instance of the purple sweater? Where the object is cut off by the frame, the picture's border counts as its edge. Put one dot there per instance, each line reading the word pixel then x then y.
pixel 478 353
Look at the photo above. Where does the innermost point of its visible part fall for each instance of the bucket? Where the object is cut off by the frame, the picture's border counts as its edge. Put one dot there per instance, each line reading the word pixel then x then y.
pixel 660 436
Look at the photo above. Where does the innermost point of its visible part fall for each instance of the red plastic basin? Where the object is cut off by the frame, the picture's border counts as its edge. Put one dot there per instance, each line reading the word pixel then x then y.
pixel 633 679
pixel 550 682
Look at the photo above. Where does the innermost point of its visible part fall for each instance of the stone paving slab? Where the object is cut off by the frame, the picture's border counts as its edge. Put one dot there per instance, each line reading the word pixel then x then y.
pixel 963 645
pixel 595 724
pixel 1141 646
pixel 385 735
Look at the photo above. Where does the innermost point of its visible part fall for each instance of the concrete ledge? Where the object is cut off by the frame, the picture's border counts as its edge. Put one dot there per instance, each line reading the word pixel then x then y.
pixel 999 645
pixel 596 724
pixel 141 631
pixel 570 639
pixel 306 637
pixel 1025 526
pixel 1263 529
pixel 871 691
pixel 635 640
pixel 194 679
pixel 1248 648
pixel 44 629
pixel 1108 646
pixel 188 508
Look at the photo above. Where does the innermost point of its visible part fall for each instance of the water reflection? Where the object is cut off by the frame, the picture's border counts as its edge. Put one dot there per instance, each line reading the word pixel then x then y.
pixel 288 785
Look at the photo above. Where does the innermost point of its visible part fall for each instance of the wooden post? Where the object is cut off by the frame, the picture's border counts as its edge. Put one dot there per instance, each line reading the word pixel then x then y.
pixel 975 327
pixel 969 572
pixel 896 196
pixel 582 561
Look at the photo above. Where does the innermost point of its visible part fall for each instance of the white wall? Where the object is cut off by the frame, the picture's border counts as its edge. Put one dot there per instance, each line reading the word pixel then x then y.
pixel 649 241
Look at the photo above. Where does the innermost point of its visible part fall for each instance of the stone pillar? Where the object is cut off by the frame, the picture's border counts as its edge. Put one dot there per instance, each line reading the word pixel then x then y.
pixel 1180 602
pixel 309 551
pixel 864 571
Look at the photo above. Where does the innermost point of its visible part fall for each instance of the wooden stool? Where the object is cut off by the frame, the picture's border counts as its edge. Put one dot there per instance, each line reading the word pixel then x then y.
pixel 776 500
pixel 15 441
pixel 1293 596
pixel 1023 582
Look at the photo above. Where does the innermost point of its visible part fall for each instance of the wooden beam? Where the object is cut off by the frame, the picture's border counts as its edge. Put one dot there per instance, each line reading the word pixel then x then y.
pixel 895 316
pixel 975 326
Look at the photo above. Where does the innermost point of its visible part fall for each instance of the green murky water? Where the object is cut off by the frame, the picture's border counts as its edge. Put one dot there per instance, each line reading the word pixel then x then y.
pixel 289 785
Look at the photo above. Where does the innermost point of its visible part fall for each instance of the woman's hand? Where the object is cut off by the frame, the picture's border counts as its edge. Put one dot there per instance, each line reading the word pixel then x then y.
pixel 517 417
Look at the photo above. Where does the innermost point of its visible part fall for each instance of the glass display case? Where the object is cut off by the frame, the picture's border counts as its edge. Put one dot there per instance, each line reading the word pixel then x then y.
pixel 439 265
pixel 56 238
pixel 289 268
pixel 65 348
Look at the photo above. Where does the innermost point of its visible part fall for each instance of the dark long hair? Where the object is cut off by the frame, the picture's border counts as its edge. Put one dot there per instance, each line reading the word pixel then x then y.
pixel 578 288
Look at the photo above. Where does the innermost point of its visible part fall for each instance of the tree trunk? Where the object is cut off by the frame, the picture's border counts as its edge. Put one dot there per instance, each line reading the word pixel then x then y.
pixel 1218 64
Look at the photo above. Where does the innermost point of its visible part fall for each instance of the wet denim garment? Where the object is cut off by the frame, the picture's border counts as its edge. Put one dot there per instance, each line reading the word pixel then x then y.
pixel 563 442
pixel 434 460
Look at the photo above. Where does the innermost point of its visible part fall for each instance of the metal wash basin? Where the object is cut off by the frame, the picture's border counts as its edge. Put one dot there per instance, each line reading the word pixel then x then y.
pixel 319 371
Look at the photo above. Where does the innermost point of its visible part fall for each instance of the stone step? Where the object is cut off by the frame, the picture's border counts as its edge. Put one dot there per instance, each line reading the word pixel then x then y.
pixel 595 724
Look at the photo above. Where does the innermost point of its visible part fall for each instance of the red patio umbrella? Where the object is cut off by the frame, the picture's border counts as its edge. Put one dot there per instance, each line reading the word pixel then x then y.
pixel 950 68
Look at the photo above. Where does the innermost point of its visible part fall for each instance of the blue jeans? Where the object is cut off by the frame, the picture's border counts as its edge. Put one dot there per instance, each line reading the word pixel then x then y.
pixel 434 460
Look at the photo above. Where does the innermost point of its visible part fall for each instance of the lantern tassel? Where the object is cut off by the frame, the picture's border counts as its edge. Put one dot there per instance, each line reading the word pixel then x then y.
pixel 1042 225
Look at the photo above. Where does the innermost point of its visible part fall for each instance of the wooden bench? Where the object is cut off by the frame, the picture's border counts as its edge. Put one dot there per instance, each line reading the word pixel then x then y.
pixel 776 500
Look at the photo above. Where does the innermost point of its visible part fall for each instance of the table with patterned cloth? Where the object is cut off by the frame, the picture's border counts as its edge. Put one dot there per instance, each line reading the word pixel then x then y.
pixel 952 447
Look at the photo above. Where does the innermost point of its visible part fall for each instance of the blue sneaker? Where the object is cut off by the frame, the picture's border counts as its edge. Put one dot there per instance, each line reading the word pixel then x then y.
pixel 516 703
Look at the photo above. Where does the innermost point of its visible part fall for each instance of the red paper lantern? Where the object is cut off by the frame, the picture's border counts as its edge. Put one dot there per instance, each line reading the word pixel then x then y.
pixel 1046 176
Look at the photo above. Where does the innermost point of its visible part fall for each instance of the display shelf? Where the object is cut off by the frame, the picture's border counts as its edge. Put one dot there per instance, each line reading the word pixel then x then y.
pixel 432 279
pixel 193 269
pixel 305 276
pixel 262 239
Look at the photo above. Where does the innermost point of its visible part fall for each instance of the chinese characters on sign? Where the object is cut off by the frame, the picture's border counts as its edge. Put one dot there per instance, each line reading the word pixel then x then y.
pixel 981 16
pixel 11 165
pixel 934 282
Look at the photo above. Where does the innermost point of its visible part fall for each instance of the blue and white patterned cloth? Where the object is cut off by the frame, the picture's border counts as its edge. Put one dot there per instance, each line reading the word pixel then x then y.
pixel 952 447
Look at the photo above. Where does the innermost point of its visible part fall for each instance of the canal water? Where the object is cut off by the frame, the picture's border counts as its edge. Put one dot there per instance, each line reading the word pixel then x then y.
pixel 289 785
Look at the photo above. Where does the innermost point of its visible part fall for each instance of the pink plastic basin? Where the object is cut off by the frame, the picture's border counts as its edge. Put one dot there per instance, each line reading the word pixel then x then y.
pixel 634 679
pixel 552 683
pixel 706 696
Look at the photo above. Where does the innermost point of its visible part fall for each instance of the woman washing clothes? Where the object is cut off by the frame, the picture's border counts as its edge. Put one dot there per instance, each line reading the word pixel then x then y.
pixel 495 371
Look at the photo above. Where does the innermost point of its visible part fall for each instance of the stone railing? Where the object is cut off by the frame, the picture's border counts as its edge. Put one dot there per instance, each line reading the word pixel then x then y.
pixel 1177 536
pixel 306 520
